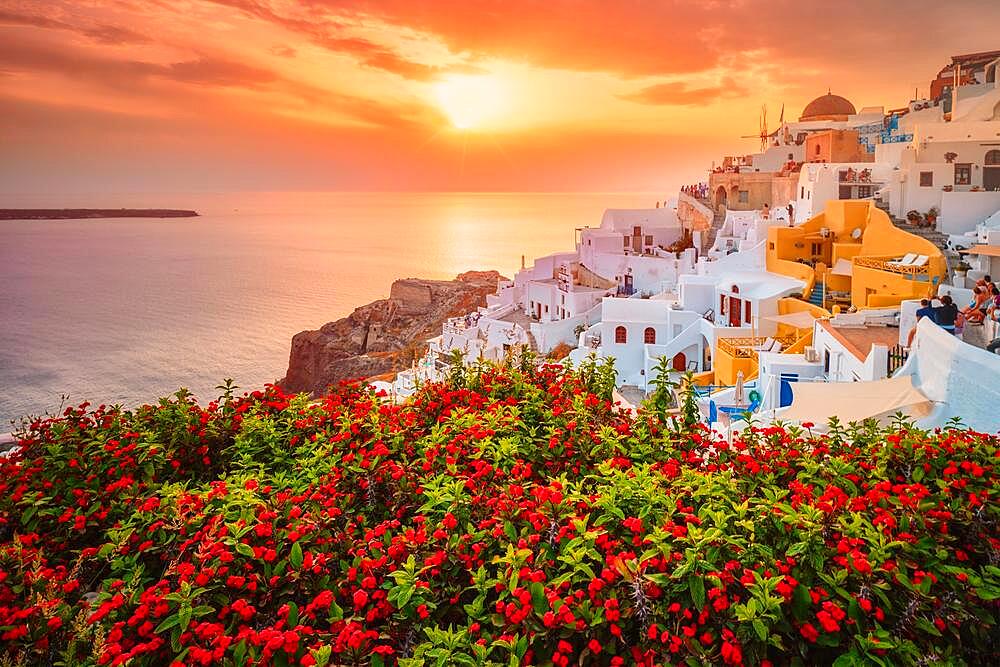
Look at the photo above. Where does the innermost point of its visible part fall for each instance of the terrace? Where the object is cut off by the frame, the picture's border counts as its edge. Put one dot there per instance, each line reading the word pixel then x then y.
pixel 748 347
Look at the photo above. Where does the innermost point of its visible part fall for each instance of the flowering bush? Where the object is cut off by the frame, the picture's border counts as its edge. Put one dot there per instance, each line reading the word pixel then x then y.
pixel 506 516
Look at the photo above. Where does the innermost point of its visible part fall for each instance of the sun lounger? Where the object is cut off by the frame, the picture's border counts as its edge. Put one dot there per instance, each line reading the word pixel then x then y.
pixel 920 260
pixel 766 345
pixel 907 260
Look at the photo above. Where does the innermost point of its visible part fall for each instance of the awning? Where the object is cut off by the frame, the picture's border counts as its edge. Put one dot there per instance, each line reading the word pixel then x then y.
pixel 800 320
pixel 843 267
pixel 817 402
pixel 985 250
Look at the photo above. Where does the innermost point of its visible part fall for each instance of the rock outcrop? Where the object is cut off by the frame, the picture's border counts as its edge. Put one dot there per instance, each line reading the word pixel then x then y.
pixel 385 335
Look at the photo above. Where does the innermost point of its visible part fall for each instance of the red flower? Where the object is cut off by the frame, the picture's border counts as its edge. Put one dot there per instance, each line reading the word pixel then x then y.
pixel 810 633
pixel 360 599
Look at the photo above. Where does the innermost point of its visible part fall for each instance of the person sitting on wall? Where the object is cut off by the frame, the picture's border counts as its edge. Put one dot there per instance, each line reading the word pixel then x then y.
pixel 946 315
pixel 992 308
pixel 765 212
pixel 976 310
pixel 923 311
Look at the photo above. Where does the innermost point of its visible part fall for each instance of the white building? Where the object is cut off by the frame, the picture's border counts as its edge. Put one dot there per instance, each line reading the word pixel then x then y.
pixel 820 182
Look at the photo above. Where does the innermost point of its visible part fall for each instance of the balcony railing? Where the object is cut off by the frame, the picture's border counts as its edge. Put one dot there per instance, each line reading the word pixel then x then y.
pixel 746 348
pixel 892 265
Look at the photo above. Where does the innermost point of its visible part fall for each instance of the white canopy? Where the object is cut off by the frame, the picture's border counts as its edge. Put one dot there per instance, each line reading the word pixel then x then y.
pixel 854 401
pixel 843 267
pixel 800 320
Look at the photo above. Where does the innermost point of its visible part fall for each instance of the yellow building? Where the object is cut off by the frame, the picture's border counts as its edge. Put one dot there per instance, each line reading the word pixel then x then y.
pixel 852 254
pixel 794 332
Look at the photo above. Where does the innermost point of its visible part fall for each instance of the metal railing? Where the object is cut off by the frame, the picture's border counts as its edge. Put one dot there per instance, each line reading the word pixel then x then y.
pixel 891 264
pixel 746 348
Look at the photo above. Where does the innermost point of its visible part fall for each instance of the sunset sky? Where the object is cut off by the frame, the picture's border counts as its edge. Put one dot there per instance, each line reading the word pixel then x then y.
pixel 175 95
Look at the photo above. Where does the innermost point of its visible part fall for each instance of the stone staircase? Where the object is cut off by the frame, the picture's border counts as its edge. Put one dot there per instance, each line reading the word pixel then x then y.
pixel 713 231
pixel 519 318
pixel 939 239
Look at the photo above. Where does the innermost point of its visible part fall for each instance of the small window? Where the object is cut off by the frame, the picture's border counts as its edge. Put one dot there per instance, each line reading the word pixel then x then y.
pixel 864 191
pixel 963 174
pixel 546 309
pixel 802 193
pixel 626 240
pixel 992 158
pixel 770 246
pixel 621 335
pixel 744 196
pixel 649 239
pixel 817 149
pixel 649 336
pixel 926 179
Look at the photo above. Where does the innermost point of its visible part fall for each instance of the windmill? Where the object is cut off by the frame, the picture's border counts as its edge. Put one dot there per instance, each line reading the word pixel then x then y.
pixel 763 135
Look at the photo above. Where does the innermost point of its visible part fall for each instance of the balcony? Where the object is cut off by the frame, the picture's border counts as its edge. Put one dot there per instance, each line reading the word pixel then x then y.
pixel 893 264
pixel 748 347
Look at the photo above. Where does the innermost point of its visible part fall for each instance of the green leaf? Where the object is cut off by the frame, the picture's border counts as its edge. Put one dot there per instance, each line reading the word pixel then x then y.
pixel 293 614
pixel 928 627
pixel 184 617
pixel 403 598
pixel 846 660
pixel 296 555
pixel 170 622
pixel 538 600
pixel 244 549
pixel 760 629
pixel 321 655
pixel 697 587
pixel 801 601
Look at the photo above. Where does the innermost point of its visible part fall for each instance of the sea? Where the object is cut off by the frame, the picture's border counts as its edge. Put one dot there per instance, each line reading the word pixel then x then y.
pixel 123 311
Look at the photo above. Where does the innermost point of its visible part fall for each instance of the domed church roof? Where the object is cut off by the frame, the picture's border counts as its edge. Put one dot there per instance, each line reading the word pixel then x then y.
pixel 828 107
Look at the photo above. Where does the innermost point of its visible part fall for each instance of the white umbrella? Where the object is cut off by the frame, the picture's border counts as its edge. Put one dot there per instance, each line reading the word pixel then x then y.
pixel 739 388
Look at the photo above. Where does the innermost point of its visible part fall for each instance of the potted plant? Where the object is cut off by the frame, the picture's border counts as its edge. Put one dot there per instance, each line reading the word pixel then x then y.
pixel 931 217
pixel 948 188
pixel 913 217
pixel 961 269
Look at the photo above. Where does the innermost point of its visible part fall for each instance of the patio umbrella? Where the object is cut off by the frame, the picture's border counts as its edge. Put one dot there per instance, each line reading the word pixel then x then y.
pixel 738 393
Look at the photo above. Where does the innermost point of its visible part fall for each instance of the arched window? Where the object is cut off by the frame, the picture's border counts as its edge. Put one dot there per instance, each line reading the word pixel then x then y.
pixel 649 336
pixel 621 335
pixel 992 158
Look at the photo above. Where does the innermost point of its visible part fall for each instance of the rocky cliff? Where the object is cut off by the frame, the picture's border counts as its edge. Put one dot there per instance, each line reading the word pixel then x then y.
pixel 385 335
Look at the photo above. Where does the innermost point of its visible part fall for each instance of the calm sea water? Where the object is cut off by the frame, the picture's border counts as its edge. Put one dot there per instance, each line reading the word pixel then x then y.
pixel 124 311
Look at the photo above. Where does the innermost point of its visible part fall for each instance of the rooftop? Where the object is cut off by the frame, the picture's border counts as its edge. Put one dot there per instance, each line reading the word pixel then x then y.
pixel 827 107
pixel 859 340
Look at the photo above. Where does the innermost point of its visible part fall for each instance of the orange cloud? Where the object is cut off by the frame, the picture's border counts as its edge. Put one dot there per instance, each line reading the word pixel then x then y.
pixel 681 94
pixel 340 93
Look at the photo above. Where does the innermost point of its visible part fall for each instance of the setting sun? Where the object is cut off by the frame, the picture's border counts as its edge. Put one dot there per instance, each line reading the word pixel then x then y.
pixel 472 101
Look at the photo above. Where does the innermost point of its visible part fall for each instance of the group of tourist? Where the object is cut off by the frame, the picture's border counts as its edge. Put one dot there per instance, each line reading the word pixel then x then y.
pixel 698 190
pixel 985 304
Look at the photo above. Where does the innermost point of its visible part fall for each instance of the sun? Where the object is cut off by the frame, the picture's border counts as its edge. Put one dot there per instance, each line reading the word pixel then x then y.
pixel 472 101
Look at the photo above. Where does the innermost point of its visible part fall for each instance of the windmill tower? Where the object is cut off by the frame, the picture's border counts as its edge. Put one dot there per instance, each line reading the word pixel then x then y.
pixel 763 135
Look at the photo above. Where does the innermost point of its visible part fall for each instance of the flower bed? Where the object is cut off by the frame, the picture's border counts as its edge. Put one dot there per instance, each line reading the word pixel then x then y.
pixel 503 517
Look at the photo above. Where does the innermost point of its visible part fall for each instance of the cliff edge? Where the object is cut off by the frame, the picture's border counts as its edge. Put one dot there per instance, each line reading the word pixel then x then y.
pixel 385 335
